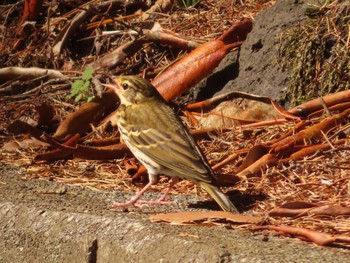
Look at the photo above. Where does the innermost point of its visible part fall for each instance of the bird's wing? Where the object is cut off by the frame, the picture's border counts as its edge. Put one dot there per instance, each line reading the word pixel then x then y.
pixel 166 141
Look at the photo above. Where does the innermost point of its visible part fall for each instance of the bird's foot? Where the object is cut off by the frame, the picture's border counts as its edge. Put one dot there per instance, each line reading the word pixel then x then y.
pixel 134 201
pixel 158 202
pixel 142 203
pixel 126 204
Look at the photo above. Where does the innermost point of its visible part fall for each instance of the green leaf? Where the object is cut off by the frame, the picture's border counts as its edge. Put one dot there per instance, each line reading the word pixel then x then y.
pixel 87 75
pixel 77 98
pixel 86 85
pixel 80 87
pixel 89 99
pixel 77 85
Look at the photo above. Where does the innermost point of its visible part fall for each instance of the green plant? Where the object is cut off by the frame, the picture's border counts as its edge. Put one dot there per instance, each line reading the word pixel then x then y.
pixel 80 88
pixel 317 53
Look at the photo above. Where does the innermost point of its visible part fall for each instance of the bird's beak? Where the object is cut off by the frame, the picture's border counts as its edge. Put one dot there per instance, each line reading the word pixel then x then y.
pixel 115 88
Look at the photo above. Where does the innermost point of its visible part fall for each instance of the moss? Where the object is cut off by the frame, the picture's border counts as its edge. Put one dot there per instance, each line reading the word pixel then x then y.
pixel 318 53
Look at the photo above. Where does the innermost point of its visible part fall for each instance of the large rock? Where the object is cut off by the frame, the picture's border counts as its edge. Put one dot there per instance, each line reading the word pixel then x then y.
pixel 255 69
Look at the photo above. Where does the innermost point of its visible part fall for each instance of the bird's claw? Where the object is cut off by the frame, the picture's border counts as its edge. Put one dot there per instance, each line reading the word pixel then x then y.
pixel 141 203
pixel 126 204
pixel 158 202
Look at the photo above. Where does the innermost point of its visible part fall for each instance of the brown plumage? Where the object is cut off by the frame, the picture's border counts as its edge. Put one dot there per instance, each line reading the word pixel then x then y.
pixel 159 140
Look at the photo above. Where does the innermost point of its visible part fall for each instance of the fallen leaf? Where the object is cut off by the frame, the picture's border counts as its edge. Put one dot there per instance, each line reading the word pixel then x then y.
pixel 304 209
pixel 204 218
pixel 13 146
pixel 319 238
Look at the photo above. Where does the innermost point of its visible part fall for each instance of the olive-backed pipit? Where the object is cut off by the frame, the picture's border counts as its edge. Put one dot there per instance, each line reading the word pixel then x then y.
pixel 160 141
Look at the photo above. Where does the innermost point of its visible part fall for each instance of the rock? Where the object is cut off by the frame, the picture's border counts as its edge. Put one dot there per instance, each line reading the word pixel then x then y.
pixel 256 62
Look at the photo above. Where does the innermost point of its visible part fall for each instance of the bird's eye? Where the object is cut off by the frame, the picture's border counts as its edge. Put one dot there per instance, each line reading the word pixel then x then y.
pixel 125 86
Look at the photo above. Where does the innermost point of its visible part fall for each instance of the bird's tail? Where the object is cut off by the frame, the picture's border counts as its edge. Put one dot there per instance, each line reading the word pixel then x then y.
pixel 219 197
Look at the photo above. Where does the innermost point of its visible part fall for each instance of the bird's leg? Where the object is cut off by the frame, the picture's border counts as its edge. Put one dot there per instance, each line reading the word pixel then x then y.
pixel 161 201
pixel 133 200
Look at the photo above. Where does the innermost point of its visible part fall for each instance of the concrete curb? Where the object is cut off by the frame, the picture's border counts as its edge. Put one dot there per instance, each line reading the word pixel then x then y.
pixel 41 223
pixel 31 234
pixel 36 235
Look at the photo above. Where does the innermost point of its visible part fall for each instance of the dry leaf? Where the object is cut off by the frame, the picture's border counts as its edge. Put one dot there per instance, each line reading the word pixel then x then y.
pixel 204 218
pixel 304 208
pixel 13 146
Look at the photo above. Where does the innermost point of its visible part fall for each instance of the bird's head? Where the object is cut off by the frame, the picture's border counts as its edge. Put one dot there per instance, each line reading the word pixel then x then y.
pixel 133 89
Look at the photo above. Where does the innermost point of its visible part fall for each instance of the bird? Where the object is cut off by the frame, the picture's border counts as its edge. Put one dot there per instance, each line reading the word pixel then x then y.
pixel 157 137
